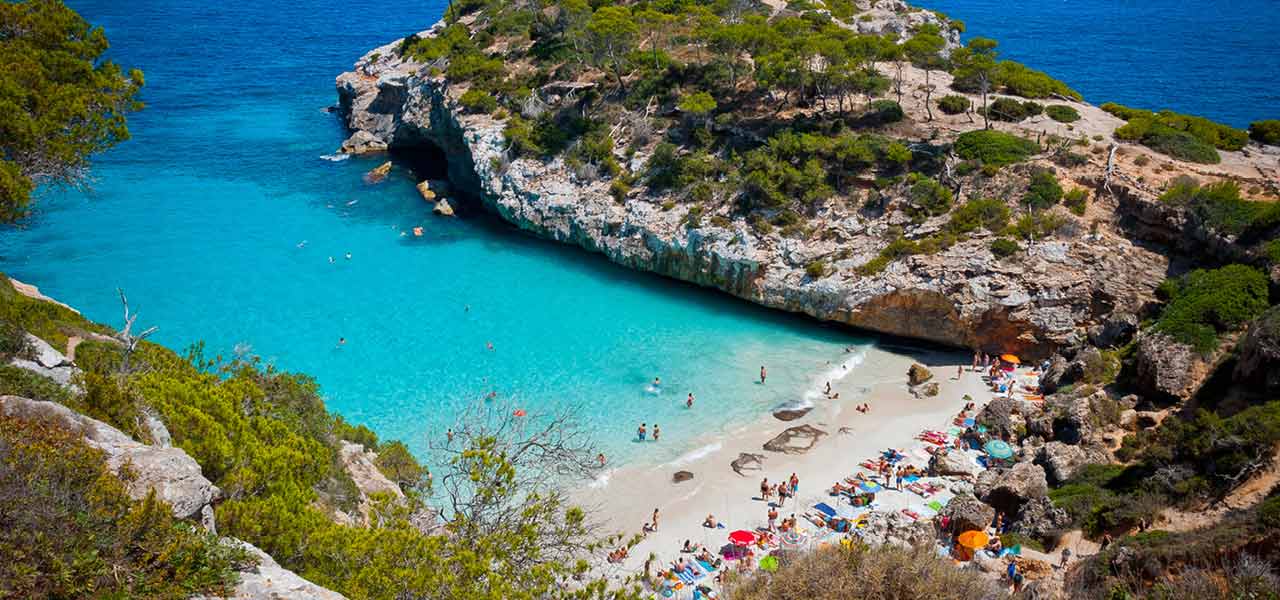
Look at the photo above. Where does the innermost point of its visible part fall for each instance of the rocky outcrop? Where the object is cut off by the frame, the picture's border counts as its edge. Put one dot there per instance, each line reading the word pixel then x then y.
pixel 1009 489
pixel 896 529
pixel 961 296
pixel 362 466
pixel 967 513
pixel 1259 362
pixel 443 208
pixel 171 473
pixel 791 412
pixel 954 464
pixel 1040 519
pixel 1062 461
pixel 1116 330
pixel 681 476
pixel 362 142
pixel 269 581
pixel 378 173
pixel 42 359
pixel 1169 369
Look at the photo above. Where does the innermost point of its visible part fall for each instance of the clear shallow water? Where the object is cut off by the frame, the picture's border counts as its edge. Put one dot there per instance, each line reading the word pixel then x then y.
pixel 198 218
pixel 1214 58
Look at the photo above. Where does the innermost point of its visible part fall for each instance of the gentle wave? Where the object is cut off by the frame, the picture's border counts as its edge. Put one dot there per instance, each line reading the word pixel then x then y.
pixel 696 454
pixel 818 384
pixel 337 157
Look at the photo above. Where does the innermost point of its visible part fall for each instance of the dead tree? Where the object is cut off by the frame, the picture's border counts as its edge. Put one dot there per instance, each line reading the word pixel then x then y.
pixel 126 336
pixel 1111 166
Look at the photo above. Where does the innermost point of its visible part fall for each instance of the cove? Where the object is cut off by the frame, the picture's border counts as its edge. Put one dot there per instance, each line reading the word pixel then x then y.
pixel 201 219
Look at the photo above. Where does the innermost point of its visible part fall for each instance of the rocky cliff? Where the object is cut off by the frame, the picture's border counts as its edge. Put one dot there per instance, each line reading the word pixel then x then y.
pixel 1043 300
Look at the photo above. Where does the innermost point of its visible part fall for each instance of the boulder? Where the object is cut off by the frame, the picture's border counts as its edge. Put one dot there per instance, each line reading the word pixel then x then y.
pixel 795 440
pixel 1259 362
pixel 362 142
pixel 1008 489
pixel 1055 376
pixel 929 389
pixel 379 173
pixel 791 412
pixel 954 464
pixel 424 188
pixel 895 529
pixel 443 208
pixel 171 473
pixel 1040 519
pixel 1129 420
pixel 1001 415
pixel 1169 369
pixel 269 581
pixel 1116 330
pixel 1062 461
pixel 1073 416
pixel 967 513
pixel 681 476
pixel 918 374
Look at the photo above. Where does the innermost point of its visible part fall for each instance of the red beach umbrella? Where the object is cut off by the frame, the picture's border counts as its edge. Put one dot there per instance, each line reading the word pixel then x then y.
pixel 742 537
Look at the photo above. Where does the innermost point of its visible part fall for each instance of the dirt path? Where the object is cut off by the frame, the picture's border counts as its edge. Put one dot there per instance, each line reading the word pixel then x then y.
pixel 1246 495
pixel 72 343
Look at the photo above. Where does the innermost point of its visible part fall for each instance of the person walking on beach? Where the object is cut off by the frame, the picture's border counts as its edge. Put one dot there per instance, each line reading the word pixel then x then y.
pixel 641 432
pixel 689 403
pixel 655 432
pixel 765 490
pixel 975 361
pixel 773 516
pixel 795 484
pixel 959 372
pixel 655 519
pixel 899 478
pixel 763 373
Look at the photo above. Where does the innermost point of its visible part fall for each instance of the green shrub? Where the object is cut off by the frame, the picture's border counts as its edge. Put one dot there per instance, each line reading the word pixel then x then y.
pixel 1180 145
pixel 927 198
pixel 1203 303
pixel 1008 109
pixel 1016 79
pixel 816 269
pixel 72 531
pixel 1076 200
pixel 988 213
pixel 478 101
pixel 1062 113
pixel 1004 247
pixel 16 381
pixel 885 112
pixel 1272 251
pixel 1265 132
pixel 1220 206
pixel 1125 112
pixel 1181 136
pixel 994 148
pixel 619 190
pixel 953 104
pixel 1043 191
pixel 1269 512
pixel 1036 225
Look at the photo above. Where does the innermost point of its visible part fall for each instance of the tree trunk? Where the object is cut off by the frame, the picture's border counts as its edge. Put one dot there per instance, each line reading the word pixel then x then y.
pixel 928 94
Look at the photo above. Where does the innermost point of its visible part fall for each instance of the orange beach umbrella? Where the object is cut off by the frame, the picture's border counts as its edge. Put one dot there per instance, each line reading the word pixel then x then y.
pixel 1009 358
pixel 973 539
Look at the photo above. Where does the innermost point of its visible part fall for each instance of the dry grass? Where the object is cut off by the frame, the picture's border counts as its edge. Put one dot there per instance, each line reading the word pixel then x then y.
pixel 837 573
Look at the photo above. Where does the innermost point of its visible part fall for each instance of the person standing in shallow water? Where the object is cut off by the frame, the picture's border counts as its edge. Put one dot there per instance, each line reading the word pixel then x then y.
pixel 640 432
pixel 689 403
pixel 763 373
pixel 655 432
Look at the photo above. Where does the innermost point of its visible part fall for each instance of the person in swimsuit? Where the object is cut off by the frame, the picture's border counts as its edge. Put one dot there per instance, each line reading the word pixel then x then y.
pixel 689 403
pixel 641 432
pixel 763 373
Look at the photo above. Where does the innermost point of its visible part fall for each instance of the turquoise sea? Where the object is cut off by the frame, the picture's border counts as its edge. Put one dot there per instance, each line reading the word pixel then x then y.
pixel 201 218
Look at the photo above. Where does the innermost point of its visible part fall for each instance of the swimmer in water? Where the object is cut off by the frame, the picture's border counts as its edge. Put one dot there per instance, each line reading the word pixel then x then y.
pixel 657 381
pixel 600 459
pixel 348 256
pixel 492 395
pixel 342 342
pixel 689 403
pixel 330 260
pixel 488 345
pixel 763 373
pixel 302 243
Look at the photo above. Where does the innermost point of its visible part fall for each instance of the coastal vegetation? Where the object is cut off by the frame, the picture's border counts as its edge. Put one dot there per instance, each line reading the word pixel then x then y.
pixel 1220 206
pixel 1185 137
pixel 1204 303
pixel 1265 132
pixel 60 100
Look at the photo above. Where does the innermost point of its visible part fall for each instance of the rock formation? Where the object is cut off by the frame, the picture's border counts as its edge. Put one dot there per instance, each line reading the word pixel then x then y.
pixel 747 461
pixel 681 476
pixel 269 581
pixel 362 467
pixel 967 513
pixel 961 296
pixel 1259 362
pixel 918 374
pixel 171 473
pixel 1009 489
pixel 45 361
pixel 795 440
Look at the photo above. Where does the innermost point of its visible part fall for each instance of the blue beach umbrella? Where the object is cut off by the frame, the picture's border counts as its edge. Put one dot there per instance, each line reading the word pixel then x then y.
pixel 998 449
pixel 869 487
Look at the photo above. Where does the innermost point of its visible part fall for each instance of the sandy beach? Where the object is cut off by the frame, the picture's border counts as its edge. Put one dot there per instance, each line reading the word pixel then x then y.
pixel 624 499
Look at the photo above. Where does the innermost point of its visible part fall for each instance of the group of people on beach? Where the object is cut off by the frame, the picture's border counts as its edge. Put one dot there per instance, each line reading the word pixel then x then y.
pixel 783 489
pixel 642 432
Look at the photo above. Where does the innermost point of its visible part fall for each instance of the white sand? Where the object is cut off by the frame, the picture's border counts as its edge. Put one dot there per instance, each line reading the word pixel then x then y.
pixel 625 500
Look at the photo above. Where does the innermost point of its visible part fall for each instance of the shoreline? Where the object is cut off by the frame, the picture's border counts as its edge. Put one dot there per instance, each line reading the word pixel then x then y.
pixel 624 498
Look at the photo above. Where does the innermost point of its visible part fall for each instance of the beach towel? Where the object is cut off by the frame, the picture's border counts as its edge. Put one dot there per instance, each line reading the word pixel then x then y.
pixel 935 505
pixel 911 478
pixel 823 508
pixel 706 566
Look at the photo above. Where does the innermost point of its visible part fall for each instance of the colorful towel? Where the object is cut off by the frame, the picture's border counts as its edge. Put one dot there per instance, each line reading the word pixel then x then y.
pixel 823 508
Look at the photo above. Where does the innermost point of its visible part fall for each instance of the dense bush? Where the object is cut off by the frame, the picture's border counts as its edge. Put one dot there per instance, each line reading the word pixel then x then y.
pixel 1062 113
pixel 1016 79
pixel 1265 132
pixel 953 104
pixel 988 213
pixel 994 148
pixel 1076 200
pixel 927 198
pixel 1008 109
pixel 478 101
pixel 1043 190
pixel 1101 498
pixel 1203 303
pixel 1181 136
pixel 885 112
pixel 1004 247
pixel 1220 206
pixel 1037 225
pixel 1178 144
pixel 815 269
pixel 72 531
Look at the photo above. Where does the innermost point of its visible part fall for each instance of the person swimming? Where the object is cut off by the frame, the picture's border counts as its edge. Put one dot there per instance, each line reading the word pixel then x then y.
pixel 342 342
pixel 657 381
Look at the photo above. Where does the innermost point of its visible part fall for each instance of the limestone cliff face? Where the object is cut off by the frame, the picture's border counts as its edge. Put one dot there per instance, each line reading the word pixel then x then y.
pixel 964 296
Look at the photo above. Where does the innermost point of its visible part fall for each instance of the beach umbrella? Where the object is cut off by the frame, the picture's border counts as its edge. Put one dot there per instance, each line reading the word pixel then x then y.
pixel 742 537
pixel 869 487
pixel 769 563
pixel 973 539
pixel 1009 358
pixel 998 449
pixel 792 538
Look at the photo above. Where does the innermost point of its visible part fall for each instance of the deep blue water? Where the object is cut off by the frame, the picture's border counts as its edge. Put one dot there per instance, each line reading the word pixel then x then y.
pixel 199 216
pixel 199 219
pixel 1214 58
